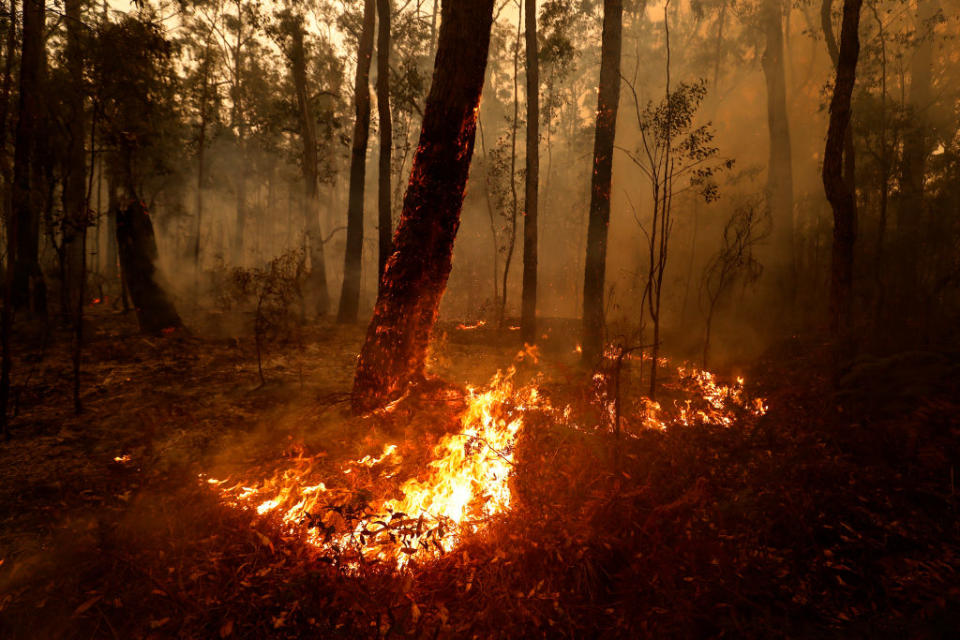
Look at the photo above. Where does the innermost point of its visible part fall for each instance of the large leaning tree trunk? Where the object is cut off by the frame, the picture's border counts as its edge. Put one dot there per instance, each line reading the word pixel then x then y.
pixel 384 215
pixel 353 257
pixel 23 229
pixel 608 98
pixel 839 191
pixel 395 350
pixel 528 296
pixel 780 168
pixel 308 137
pixel 74 174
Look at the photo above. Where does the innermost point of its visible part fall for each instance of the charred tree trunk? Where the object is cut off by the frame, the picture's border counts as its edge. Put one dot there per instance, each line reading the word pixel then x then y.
pixel 608 98
pixel 111 272
pixel 780 169
pixel 311 201
pixel 239 121
pixel 138 254
pixel 528 298
pixel 384 218
pixel 75 216
pixel 838 190
pixel 395 350
pixel 29 289
pixel 353 257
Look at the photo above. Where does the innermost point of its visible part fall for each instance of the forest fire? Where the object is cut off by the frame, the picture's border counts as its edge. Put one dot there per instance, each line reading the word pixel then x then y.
pixel 464 486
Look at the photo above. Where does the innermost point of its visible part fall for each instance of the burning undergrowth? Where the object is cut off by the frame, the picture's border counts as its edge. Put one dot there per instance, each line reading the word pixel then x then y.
pixel 407 503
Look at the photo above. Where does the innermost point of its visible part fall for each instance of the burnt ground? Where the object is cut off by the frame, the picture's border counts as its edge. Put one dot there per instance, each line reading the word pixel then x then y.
pixel 834 515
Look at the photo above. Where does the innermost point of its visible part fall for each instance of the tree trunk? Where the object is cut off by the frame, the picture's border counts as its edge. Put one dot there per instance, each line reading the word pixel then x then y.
pixel 780 168
pixel 528 298
pixel 29 289
pixel 395 350
pixel 839 192
pixel 138 254
pixel 352 261
pixel 916 147
pixel 308 136
pixel 608 98
pixel 385 221
pixel 75 216
pixel 6 316
pixel 239 121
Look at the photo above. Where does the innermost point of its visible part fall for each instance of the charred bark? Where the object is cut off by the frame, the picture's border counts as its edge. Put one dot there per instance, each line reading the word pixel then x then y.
pixel 608 97
pixel 528 296
pixel 138 253
pixel 29 289
pixel 352 260
pixel 308 136
pixel 395 350
pixel 384 217
pixel 839 191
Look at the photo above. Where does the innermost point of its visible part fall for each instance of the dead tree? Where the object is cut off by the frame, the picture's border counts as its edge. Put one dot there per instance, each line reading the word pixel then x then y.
pixel 840 191
pixel 395 350
pixel 352 260
pixel 608 98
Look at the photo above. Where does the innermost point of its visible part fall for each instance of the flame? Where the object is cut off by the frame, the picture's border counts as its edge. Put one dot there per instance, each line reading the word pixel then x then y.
pixel 471 327
pixel 357 515
pixel 125 458
pixel 465 484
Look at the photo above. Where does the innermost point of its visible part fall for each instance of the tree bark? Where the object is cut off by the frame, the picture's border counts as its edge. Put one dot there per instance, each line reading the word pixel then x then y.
pixel 311 201
pixel 395 350
pixel 385 221
pixel 75 216
pixel 352 261
pixel 608 98
pixel 780 167
pixel 840 192
pixel 138 254
pixel 528 297
pixel 29 289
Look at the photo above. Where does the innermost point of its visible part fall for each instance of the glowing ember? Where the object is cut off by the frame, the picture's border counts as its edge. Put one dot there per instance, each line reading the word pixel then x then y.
pixel 124 459
pixel 466 484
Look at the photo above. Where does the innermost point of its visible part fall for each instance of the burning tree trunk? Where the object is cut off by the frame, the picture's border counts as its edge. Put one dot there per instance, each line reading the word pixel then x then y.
pixel 29 289
pixel 138 252
pixel 839 191
pixel 528 313
pixel 352 260
pixel 308 136
pixel 780 169
pixel 608 98
pixel 384 218
pixel 394 353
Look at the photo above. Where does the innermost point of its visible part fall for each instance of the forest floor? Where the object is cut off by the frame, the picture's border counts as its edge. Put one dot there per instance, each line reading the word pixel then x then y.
pixel 834 514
